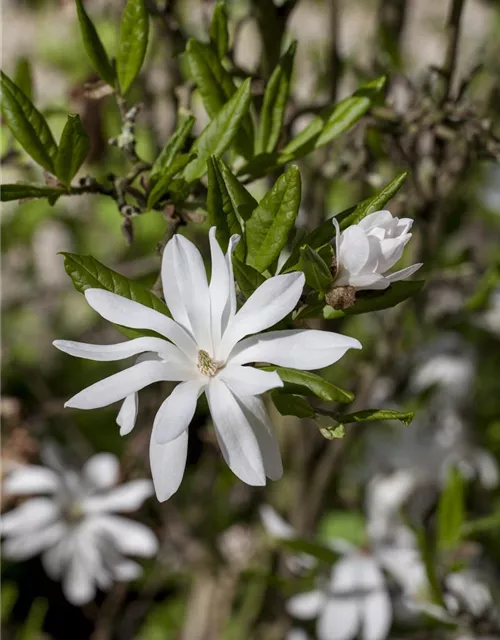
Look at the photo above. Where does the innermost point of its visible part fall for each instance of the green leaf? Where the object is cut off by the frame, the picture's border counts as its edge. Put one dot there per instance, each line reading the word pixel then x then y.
pixel 242 202
pixel 311 548
pixel 86 272
pixel 161 186
pixel 479 526
pixel 269 225
pixel 315 239
pixel 372 415
pixel 316 271
pixel 390 297
pixel 219 35
pixel 172 148
pixel 247 277
pixel 274 104
pixel 27 124
pixel 23 77
pixel 355 214
pixel 292 405
pixel 219 133
pixel 332 432
pixel 344 525
pixel 333 121
pixel 134 32
pixel 11 192
pixel 93 46
pixel 73 149
pixel 306 383
pixel 221 213
pixel 451 511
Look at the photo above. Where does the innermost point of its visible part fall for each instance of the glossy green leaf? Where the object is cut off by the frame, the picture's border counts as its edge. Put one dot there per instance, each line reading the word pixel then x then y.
pixel 242 201
pixel 451 511
pixel 268 227
pixel 219 34
pixel 134 33
pixel 355 214
pixel 221 212
pixel 316 271
pixel 274 104
pixel 162 184
pixel 306 383
pixel 23 77
pixel 9 192
pixel 333 121
pixel 93 46
pixel 373 415
pixel 172 148
pixel 27 124
pixel 247 277
pixel 371 301
pixel 73 149
pixel 220 132
pixel 317 238
pixel 292 405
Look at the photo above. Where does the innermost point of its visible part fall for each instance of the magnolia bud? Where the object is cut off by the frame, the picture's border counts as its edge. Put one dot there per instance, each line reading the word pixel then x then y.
pixel 341 297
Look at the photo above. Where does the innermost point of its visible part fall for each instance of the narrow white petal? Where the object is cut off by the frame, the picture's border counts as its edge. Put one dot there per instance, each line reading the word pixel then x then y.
pixel 237 440
pixel 128 414
pixel 174 297
pixel 56 558
pixel 247 381
pixel 377 615
pixel 30 479
pixel 168 462
pixel 368 281
pixel 402 274
pixel 126 497
pixel 31 543
pixel 130 537
pixel 219 287
pixel 337 242
pixel 274 524
pixel 127 570
pixel 177 411
pixel 187 268
pixel 102 470
pixel 122 384
pixel 29 516
pixel 375 219
pixel 340 619
pixel 299 349
pixel 354 249
pixel 128 313
pixel 230 309
pixel 256 414
pixel 270 303
pixel 306 606
pixel 111 352
pixel 78 583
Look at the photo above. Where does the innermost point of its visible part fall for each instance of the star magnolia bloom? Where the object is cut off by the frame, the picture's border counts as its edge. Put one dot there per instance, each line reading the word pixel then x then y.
pixel 365 251
pixel 82 542
pixel 205 347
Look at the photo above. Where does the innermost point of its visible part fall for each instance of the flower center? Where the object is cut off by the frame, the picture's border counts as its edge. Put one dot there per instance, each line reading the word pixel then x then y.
pixel 206 365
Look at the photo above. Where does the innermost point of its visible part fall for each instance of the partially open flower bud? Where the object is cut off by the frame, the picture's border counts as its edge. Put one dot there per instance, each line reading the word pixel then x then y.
pixel 341 297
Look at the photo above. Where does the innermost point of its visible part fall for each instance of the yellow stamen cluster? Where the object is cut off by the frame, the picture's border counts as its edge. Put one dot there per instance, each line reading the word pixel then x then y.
pixel 206 365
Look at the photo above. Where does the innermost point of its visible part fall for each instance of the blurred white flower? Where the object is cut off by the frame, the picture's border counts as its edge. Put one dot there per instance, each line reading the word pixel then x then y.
pixel 205 348
pixel 367 250
pixel 74 526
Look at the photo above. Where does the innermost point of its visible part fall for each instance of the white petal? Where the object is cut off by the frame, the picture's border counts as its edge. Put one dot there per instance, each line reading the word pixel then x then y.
pixel 128 414
pixel 29 516
pixel 299 349
pixel 306 606
pixel 131 314
pixel 402 274
pixel 274 524
pixel 122 384
pixel 177 411
pixel 255 411
pixel 354 249
pixel 127 570
pixel 102 470
pixel 237 440
pixel 56 558
pixel 185 264
pixel 30 544
pixel 337 242
pixel 377 616
pixel 230 309
pixel 30 479
pixel 375 219
pixel 339 620
pixel 78 583
pixel 112 352
pixel 248 381
pixel 126 497
pixel 168 462
pixel 130 537
pixel 270 303
pixel 368 281
pixel 219 287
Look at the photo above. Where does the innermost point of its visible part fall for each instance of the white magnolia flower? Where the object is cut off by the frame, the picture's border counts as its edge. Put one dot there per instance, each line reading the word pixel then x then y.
pixel 73 524
pixel 205 347
pixel 367 250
